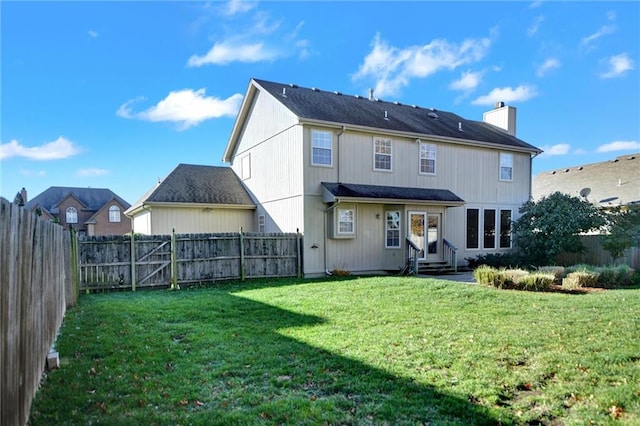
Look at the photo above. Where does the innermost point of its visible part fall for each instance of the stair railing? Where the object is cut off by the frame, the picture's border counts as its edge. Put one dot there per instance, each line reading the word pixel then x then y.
pixel 450 254
pixel 412 255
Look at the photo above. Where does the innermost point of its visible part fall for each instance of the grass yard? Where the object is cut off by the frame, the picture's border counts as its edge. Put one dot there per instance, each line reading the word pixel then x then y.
pixel 376 350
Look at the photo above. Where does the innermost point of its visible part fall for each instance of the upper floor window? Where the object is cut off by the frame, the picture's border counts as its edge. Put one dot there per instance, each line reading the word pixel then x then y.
pixel 392 229
pixel 427 158
pixel 321 148
pixel 114 214
pixel 382 154
pixel 261 223
pixel 72 215
pixel 506 166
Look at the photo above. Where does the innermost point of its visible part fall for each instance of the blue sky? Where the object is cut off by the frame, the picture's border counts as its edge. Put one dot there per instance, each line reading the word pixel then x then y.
pixel 117 94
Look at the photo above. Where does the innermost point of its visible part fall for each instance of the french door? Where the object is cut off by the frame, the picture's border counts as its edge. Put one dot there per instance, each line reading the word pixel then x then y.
pixel 425 233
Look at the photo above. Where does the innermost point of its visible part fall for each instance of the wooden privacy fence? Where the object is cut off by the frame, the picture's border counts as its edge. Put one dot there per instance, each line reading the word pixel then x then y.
pixel 123 262
pixel 32 304
pixel 595 254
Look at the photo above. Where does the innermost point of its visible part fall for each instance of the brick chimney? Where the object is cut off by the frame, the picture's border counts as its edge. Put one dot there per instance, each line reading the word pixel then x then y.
pixel 502 116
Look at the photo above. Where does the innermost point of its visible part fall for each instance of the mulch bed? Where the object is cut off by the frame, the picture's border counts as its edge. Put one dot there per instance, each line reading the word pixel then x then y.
pixel 555 288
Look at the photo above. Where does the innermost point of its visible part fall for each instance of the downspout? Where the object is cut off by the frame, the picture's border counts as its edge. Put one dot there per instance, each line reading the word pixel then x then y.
pixel 340 132
pixel 531 173
pixel 324 234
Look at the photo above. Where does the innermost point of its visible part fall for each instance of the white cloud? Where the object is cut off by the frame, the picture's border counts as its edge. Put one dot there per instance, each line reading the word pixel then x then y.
pixel 536 4
pixel 535 26
pixel 229 51
pixel 547 66
pixel 186 107
pixel 468 81
pixel 392 68
pixel 507 94
pixel 33 173
pixel 92 33
pixel 618 65
pixel 92 172
pixel 234 7
pixel 619 146
pixel 604 30
pixel 553 150
pixel 56 150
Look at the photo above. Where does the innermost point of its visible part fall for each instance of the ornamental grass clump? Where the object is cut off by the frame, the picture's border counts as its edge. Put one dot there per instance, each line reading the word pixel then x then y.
pixel 536 281
pixel 558 272
pixel 514 279
pixel 579 279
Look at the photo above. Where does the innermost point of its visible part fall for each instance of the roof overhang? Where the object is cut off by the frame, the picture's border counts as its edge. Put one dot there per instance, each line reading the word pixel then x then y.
pixel 376 194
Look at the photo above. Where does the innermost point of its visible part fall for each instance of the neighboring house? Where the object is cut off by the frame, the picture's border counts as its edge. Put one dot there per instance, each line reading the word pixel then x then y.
pixel 91 211
pixel 606 184
pixel 360 176
pixel 194 199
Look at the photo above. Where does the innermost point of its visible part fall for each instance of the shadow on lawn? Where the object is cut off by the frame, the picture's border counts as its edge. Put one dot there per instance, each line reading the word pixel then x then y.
pixel 229 362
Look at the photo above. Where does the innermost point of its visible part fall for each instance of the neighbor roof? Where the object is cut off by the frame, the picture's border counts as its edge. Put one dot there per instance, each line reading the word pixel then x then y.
pixel 92 198
pixel 333 107
pixel 358 192
pixel 194 184
pixel 608 183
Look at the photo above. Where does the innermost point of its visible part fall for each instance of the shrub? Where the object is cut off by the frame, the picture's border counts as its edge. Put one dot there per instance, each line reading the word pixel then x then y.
pixel 497 260
pixel 536 282
pixel 558 272
pixel 579 279
pixel 614 276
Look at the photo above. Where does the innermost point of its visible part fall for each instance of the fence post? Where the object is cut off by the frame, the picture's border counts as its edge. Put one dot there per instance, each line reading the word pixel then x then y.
pixel 298 254
pixel 174 263
pixel 75 268
pixel 242 265
pixel 133 261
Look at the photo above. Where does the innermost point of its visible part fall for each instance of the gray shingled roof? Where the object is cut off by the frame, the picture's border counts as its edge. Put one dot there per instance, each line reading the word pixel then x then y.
pixel 344 109
pixel 608 183
pixel 92 198
pixel 194 184
pixel 350 190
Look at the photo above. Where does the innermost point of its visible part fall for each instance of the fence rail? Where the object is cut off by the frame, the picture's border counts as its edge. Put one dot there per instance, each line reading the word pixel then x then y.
pixel 595 254
pixel 123 262
pixel 34 295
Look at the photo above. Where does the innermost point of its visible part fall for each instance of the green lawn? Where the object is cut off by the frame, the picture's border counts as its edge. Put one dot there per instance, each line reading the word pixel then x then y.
pixel 378 350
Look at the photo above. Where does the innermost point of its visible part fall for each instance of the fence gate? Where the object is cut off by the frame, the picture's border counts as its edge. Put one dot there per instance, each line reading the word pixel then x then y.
pixel 153 263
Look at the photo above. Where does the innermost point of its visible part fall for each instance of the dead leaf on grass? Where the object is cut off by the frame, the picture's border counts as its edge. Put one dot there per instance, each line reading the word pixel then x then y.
pixel 615 411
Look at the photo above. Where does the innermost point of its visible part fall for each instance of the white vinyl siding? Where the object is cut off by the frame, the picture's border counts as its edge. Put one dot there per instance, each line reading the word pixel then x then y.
pixel 427 159
pixel 246 167
pixel 382 156
pixel 506 167
pixel 321 148
pixel 392 229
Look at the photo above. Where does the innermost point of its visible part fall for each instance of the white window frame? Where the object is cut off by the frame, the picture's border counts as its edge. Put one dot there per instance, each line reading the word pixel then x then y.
pixel 347 217
pixel 379 146
pixel 261 223
pixel 393 228
pixel 321 142
pixel 114 214
pixel 427 153
pixel 245 167
pixel 506 167
pixel 71 215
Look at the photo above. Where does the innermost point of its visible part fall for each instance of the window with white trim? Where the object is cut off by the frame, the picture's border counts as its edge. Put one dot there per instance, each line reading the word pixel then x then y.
pixel 321 148
pixel 114 213
pixel 489 216
pixel 392 229
pixel 382 154
pixel 506 166
pixel 505 228
pixel 261 223
pixel 346 221
pixel 72 215
pixel 473 221
pixel 427 158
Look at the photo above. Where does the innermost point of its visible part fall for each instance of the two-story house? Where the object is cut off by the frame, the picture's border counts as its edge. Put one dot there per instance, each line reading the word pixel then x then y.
pixel 91 211
pixel 362 178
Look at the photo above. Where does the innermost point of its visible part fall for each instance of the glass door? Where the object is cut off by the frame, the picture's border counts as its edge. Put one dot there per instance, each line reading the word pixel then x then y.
pixel 434 241
pixel 417 222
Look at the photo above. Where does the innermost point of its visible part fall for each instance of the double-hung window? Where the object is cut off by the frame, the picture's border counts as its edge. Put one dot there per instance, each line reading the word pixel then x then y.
pixel 71 215
pixel 506 166
pixel 489 228
pixel 473 220
pixel 261 223
pixel 427 158
pixel 382 154
pixel 321 148
pixel 392 229
pixel 346 221
pixel 114 214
